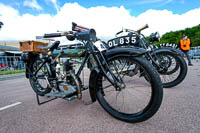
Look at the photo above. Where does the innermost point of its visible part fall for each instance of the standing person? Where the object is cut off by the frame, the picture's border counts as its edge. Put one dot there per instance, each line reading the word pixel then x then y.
pixel 185 45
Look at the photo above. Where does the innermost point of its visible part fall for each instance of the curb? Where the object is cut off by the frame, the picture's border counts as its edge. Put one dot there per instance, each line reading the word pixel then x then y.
pixel 11 76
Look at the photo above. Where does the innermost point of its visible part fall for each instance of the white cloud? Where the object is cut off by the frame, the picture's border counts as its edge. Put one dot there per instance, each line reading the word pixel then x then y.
pixel 106 21
pixel 33 4
pixel 55 3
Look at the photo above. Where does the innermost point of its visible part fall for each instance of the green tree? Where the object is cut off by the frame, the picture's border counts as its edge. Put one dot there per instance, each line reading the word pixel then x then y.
pixel 175 36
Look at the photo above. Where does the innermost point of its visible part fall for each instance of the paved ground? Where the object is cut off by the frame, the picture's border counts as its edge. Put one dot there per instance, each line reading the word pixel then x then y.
pixel 179 112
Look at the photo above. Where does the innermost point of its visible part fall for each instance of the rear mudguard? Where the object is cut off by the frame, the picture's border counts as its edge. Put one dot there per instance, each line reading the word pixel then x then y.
pixel 164 49
pixel 28 58
pixel 95 72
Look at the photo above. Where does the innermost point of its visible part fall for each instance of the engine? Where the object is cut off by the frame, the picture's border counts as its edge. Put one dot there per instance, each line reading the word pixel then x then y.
pixel 67 83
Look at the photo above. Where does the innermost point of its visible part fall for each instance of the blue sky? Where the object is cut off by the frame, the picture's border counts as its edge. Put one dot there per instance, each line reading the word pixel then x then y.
pixel 135 7
pixel 106 16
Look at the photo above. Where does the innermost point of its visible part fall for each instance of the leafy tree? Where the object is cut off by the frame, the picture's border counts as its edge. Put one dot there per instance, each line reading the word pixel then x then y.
pixel 175 36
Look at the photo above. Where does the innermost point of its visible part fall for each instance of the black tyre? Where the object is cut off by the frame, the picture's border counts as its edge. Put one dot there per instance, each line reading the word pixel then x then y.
pixel 39 83
pixel 140 99
pixel 175 68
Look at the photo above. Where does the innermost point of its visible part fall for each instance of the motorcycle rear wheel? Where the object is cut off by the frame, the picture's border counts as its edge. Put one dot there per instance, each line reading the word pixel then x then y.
pixel 39 83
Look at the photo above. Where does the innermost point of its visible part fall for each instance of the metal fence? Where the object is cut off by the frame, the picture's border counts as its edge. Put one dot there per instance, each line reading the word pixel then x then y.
pixel 195 53
pixel 14 64
pixel 11 65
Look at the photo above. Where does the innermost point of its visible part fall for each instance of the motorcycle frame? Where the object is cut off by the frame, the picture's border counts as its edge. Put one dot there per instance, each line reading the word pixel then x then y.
pixel 90 50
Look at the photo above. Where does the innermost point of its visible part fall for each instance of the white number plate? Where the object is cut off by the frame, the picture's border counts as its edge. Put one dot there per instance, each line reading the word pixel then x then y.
pixel 123 40
pixel 100 46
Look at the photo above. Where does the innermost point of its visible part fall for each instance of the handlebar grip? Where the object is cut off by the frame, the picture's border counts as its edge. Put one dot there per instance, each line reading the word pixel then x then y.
pixel 119 32
pixel 76 27
pixel 52 35
pixel 142 28
pixel 73 26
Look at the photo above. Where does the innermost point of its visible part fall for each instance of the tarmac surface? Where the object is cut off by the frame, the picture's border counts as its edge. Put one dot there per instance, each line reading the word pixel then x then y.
pixel 179 112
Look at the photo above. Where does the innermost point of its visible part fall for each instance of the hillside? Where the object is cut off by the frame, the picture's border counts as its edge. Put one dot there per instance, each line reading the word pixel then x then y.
pixel 174 37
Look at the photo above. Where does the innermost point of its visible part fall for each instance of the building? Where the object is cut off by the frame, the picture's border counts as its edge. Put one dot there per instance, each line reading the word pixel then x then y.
pixel 10 55
pixel 9 46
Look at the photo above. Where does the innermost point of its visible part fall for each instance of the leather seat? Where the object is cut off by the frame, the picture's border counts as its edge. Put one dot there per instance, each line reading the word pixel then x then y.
pixel 51 47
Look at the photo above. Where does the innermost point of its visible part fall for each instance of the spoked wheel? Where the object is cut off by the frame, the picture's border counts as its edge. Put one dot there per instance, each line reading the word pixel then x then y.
pixel 140 99
pixel 39 82
pixel 175 68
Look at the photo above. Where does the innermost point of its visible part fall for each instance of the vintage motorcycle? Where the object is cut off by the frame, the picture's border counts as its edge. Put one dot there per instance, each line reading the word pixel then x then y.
pixel 119 86
pixel 169 63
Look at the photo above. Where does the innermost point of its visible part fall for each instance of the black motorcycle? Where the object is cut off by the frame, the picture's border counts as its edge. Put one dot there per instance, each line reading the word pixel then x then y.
pixel 169 63
pixel 117 77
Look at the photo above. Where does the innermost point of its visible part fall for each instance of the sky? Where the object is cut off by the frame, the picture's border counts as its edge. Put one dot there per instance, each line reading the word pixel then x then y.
pixel 25 19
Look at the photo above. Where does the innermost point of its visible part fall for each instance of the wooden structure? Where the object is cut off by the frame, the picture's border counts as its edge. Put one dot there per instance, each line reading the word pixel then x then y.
pixel 32 46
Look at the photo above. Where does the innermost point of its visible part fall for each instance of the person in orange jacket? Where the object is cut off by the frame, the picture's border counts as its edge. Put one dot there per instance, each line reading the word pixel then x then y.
pixel 185 45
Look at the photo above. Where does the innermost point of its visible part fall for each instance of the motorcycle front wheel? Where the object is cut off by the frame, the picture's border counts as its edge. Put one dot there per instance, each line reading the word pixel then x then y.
pixel 140 99
pixel 175 68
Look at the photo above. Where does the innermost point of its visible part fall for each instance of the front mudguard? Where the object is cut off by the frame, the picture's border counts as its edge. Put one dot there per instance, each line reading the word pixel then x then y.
pixel 93 83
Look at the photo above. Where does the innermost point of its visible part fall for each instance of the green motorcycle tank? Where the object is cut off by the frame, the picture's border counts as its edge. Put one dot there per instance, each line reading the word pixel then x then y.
pixel 70 52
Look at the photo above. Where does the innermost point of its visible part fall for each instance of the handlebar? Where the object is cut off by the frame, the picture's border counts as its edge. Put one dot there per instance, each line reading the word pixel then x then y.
pixel 83 35
pixel 78 28
pixel 119 32
pixel 142 28
pixel 52 35
pixel 128 30
pixel 79 32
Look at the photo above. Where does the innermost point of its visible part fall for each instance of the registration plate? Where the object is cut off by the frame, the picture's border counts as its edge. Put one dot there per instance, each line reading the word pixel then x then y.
pixel 123 41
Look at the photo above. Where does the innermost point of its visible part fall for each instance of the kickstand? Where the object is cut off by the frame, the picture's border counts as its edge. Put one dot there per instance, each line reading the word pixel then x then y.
pixel 40 103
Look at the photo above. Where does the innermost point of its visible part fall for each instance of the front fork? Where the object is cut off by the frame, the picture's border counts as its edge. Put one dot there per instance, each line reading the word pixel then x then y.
pixel 158 65
pixel 115 81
